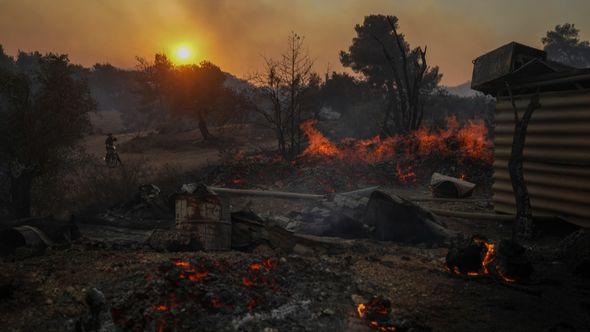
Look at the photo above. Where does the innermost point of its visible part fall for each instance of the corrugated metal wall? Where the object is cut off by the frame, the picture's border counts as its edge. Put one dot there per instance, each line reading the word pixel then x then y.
pixel 557 155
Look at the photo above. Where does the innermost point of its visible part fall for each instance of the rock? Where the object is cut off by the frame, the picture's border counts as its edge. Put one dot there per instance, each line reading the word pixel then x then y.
pixel 302 250
pixel 326 113
pixel 99 317
pixel 328 312
pixel 447 186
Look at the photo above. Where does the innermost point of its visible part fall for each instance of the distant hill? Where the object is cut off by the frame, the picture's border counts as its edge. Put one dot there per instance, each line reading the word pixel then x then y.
pixel 236 84
pixel 462 90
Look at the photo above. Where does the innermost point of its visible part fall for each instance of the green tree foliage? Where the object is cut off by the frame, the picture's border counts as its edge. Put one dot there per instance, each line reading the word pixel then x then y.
pixel 393 68
pixel 194 91
pixel 44 105
pixel 155 86
pixel 563 45
pixel 341 91
pixel 199 93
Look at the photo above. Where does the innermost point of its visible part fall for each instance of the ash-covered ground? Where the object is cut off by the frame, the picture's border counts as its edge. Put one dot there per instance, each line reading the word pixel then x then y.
pixel 272 290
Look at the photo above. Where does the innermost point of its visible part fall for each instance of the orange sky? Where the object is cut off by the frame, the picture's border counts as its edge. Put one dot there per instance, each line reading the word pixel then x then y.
pixel 235 33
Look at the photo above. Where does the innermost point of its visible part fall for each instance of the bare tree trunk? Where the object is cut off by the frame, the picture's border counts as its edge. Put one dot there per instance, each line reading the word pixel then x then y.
pixel 407 83
pixel 202 122
pixel 523 227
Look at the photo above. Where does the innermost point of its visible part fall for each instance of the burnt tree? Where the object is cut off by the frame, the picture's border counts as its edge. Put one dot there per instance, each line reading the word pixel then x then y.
pixel 523 227
pixel 284 90
pixel 398 73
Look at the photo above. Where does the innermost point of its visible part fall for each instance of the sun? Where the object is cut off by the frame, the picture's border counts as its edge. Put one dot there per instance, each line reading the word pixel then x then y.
pixel 183 54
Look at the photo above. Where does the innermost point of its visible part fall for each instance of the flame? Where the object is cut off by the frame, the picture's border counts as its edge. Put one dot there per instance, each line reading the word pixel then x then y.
pixel 469 141
pixel 489 255
pixel 361 310
pixel 319 145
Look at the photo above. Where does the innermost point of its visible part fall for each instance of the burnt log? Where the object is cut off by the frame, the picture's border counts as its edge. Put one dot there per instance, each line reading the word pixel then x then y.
pixel 466 256
pixel 506 260
pixel 511 262
pixel 394 218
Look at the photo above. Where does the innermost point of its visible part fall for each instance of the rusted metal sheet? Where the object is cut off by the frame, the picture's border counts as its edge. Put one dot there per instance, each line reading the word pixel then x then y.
pixel 206 218
pixel 501 62
pixel 557 155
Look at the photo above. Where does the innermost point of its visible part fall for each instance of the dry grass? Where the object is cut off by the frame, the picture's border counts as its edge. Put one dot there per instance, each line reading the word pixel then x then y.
pixel 95 187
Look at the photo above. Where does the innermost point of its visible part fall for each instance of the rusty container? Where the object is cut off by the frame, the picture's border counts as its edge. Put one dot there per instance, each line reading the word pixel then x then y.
pixel 206 217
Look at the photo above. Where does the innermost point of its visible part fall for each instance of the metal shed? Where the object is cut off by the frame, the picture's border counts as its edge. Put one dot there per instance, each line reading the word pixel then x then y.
pixel 557 150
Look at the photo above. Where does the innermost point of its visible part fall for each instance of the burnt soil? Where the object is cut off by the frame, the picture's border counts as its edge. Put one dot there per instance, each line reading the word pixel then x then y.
pixel 279 291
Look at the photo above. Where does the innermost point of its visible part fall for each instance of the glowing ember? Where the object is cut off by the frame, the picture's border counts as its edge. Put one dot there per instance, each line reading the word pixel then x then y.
pixel 405 176
pixel 181 263
pixel 377 314
pixel 198 276
pixel 247 282
pixel 238 181
pixel 189 271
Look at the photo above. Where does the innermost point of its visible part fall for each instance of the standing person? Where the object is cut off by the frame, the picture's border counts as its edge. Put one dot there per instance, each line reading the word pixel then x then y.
pixel 112 157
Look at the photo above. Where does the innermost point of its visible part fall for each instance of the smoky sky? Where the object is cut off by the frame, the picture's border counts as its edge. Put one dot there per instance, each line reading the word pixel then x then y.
pixel 235 34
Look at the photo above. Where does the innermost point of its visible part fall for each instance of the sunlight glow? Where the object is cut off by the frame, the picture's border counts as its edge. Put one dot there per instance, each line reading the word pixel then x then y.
pixel 183 54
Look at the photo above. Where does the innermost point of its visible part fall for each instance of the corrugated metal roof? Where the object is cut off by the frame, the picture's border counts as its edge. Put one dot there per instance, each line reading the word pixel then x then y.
pixel 557 155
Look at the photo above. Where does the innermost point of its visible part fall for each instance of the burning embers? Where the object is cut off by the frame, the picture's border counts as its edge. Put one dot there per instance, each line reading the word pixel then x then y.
pixel 377 314
pixel 184 288
pixel 479 257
